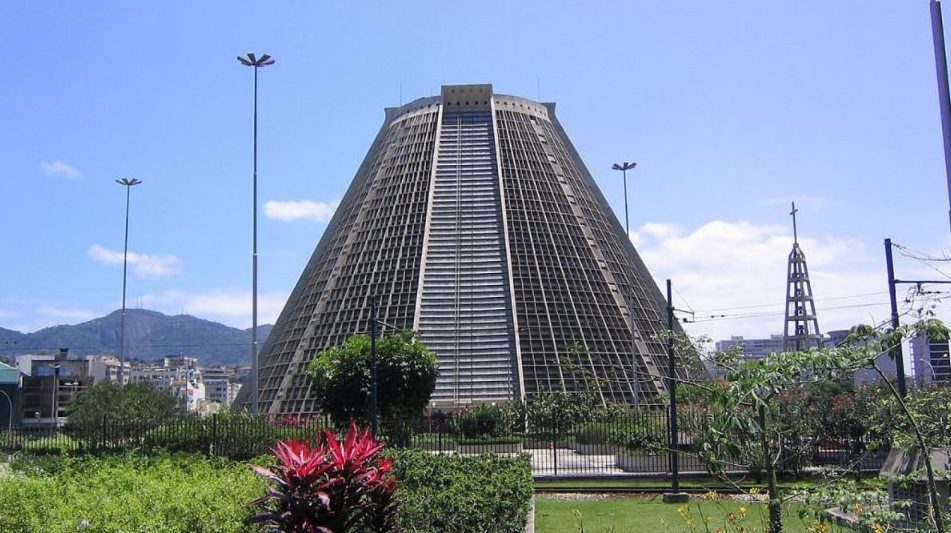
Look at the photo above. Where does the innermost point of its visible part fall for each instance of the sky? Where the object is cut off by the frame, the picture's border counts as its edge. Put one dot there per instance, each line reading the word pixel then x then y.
pixel 732 110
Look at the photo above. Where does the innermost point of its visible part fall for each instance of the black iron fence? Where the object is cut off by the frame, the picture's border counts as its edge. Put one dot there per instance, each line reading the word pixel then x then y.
pixel 632 444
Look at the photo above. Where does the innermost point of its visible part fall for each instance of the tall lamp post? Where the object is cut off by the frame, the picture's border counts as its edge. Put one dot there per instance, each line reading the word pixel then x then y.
pixel 624 167
pixel 250 60
pixel 374 375
pixel 54 407
pixel 128 184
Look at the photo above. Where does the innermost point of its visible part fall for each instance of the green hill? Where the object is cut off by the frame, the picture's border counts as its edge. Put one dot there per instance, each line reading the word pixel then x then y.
pixel 149 335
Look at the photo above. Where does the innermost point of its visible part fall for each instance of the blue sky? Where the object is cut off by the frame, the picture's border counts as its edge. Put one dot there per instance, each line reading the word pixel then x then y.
pixel 731 109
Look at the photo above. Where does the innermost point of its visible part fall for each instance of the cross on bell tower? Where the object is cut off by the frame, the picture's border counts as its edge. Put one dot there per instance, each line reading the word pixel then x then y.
pixel 802 326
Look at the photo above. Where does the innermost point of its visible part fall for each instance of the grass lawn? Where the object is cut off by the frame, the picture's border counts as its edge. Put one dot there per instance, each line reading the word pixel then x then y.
pixel 555 514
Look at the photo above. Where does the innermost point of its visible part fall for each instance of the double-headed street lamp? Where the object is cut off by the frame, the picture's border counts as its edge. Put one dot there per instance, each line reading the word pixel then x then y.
pixel 250 60
pixel 624 167
pixel 128 184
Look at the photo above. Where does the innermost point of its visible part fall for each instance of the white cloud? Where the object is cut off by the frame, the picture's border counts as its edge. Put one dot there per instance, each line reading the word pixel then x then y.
pixel 142 264
pixel 300 209
pixel 232 307
pixel 61 169
pixel 734 275
pixel 656 229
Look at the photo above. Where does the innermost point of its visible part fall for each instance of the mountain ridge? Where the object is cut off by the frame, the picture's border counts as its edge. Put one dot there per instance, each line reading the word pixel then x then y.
pixel 149 334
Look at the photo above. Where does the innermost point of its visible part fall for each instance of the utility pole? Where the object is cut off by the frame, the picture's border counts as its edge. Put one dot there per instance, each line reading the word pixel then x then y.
pixel 675 495
pixel 944 95
pixel 896 352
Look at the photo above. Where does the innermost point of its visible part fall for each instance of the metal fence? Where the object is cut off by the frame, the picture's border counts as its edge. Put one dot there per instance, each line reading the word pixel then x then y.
pixel 629 445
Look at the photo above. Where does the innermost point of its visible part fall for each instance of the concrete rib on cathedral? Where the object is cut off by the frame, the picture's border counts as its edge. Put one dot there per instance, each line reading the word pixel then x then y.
pixel 473 221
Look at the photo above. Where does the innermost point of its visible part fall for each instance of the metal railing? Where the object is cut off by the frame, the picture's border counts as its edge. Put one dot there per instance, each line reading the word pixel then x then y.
pixel 632 444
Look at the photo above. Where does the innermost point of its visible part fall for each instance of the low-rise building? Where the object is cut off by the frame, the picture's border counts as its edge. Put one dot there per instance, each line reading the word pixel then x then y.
pixel 220 385
pixel 180 374
pixel 48 386
pixel 752 348
pixel 106 368
pixel 931 359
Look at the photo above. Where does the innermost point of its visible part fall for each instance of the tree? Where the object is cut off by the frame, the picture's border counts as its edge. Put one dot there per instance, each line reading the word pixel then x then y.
pixel 745 412
pixel 406 374
pixel 120 411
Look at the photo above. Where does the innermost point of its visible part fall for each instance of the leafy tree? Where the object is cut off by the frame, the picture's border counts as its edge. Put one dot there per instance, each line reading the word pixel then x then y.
pixel 406 374
pixel 107 409
pixel 746 415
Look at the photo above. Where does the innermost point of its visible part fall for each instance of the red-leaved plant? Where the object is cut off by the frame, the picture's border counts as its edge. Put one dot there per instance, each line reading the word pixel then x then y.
pixel 335 487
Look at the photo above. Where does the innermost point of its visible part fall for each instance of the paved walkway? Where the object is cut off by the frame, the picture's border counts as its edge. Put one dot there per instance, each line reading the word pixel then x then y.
pixel 565 462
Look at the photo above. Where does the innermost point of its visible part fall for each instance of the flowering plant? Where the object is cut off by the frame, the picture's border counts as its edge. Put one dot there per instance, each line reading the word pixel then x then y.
pixel 334 487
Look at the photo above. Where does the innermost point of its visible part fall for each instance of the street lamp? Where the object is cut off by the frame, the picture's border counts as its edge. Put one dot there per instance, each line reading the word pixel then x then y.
pixel 53 407
pixel 624 167
pixel 374 380
pixel 128 184
pixel 249 60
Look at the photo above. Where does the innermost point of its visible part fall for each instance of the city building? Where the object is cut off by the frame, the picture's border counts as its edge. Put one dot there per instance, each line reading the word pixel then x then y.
pixel 48 386
pixel 752 348
pixel 931 359
pixel 182 375
pixel 473 221
pixel 106 368
pixel 220 385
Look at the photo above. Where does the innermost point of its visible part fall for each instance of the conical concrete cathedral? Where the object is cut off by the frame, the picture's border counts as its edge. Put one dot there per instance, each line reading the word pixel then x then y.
pixel 473 221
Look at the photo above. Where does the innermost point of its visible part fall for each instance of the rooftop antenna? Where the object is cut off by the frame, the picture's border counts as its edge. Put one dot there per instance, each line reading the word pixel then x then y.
pixel 538 87
pixel 401 93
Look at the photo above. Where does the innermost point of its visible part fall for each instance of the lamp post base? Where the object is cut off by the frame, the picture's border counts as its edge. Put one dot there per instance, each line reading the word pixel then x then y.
pixel 676 497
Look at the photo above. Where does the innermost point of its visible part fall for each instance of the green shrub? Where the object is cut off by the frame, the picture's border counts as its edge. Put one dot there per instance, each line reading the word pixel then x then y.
pixel 109 415
pixel 450 493
pixel 599 432
pixel 640 437
pixel 233 435
pixel 158 494
pixel 483 420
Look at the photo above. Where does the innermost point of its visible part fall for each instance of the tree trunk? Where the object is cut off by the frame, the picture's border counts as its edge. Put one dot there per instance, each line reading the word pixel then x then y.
pixel 775 504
